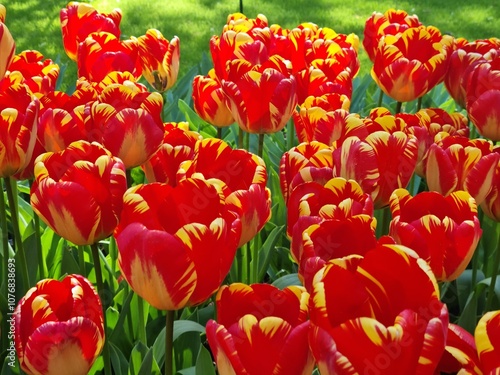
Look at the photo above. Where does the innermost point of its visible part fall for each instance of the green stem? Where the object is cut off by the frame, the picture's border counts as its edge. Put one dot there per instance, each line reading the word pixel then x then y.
pixel 81 260
pixel 491 289
pixel 219 132
pixel 290 134
pixel 39 249
pixel 102 294
pixel 419 103
pixel 255 259
pixel 17 233
pixel 142 323
pixel 380 98
pixel 6 255
pixel 169 342
pixel 245 249
pixel 399 105
pixel 260 150
pixel 241 133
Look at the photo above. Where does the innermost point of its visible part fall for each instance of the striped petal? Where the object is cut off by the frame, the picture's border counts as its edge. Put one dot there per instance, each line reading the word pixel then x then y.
pixel 487 336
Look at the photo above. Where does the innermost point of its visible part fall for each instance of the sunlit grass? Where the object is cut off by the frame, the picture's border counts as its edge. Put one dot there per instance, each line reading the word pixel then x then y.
pixel 35 23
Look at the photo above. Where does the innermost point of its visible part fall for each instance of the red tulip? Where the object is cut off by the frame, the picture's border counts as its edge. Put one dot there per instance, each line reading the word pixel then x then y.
pixel 483 96
pixel 59 327
pixel 391 22
pixel 102 53
pixel 209 100
pixel 159 59
pixel 410 64
pixel 458 163
pixel 261 330
pixel 191 227
pixel 244 175
pixel 487 337
pixel 491 203
pixel 127 121
pixel 262 102
pixel 7 47
pixel 79 20
pixel 178 146
pixel 442 230
pixel 78 192
pixel 379 313
pixel 18 114
pixel 460 353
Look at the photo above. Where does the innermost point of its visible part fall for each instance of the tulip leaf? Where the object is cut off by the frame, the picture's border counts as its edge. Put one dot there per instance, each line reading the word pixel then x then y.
pixel 137 359
pixel 267 250
pixel 195 122
pixel 287 280
pixel 204 363
pixel 118 360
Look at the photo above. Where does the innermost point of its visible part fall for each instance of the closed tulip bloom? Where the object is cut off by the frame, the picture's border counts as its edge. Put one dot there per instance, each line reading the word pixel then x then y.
pixel 243 173
pixel 442 230
pixel 159 59
pixel 209 100
pixel 262 102
pixel 102 53
pixel 487 337
pixel 127 121
pixel 79 20
pixel 7 48
pixel 178 146
pixel 189 225
pixel 261 330
pixel 491 203
pixel 410 64
pixel 459 163
pixel 377 313
pixel 18 114
pixel 483 96
pixel 78 192
pixel 59 327
pixel 389 23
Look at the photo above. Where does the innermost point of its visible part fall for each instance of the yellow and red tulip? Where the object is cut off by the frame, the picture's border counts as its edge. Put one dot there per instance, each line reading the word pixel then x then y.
pixel 460 353
pixel 462 61
pixel 78 192
pixel 487 337
pixel 379 313
pixel 40 75
pixel 262 102
pixel 102 53
pixel 410 64
pixel 458 163
pixel 7 47
pixel 178 146
pixel 59 327
pixel 244 175
pixel 18 121
pixel 318 120
pixel 391 22
pixel 159 59
pixel 261 329
pixel 179 259
pixel 79 20
pixel 209 100
pixel 442 230
pixel 127 121
pixel 483 96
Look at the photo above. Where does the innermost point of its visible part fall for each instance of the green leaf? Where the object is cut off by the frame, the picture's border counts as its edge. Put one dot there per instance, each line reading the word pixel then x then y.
pixel 137 358
pixel 287 280
pixel 195 122
pixel 267 249
pixel 118 360
pixel 204 364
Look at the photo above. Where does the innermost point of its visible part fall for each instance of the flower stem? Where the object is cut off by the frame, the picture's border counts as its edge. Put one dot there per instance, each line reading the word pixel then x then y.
pixel 493 281
pixel 81 260
pixel 261 144
pixel 219 132
pixel 419 103
pixel 38 238
pixel 241 133
pixel 142 322
pixel 290 134
pixel 399 105
pixel 17 233
pixel 380 98
pixel 6 255
pixel 100 289
pixel 169 342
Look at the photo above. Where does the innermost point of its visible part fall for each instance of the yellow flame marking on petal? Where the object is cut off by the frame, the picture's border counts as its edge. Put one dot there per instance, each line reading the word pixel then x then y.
pixel 40 303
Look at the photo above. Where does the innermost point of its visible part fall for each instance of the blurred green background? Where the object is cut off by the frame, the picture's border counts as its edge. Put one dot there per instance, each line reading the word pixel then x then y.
pixel 35 23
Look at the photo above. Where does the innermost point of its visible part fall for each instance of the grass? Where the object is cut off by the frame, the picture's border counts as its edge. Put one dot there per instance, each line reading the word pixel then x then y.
pixel 35 23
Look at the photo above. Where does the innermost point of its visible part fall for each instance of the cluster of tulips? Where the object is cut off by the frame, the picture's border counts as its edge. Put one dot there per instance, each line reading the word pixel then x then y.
pixel 369 302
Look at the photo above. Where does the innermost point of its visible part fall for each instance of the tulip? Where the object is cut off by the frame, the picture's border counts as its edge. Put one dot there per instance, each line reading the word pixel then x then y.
pixel 78 192
pixel 40 75
pixel 210 102
pixel 442 230
pixel 458 163
pixel 487 337
pixel 79 20
pixel 460 352
pixel 260 330
pixel 483 95
pixel 127 121
pixel 59 327
pixel 159 59
pixel 378 313
pixel 198 237
pixel 410 64
pixel 102 53
pixel 262 102
pixel 244 175
pixel 391 22
pixel 178 145
pixel 18 114
pixel 7 47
